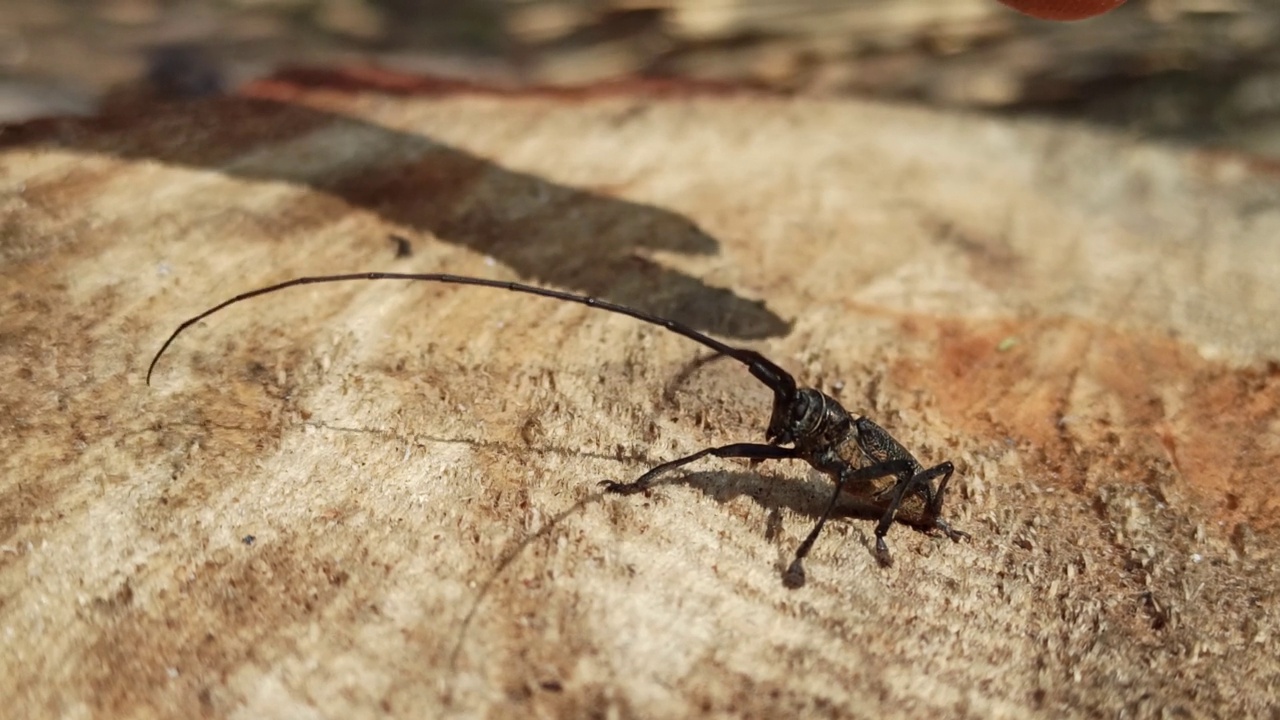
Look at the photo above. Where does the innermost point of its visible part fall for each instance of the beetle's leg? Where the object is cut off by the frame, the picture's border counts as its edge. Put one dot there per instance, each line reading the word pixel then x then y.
pixel 920 482
pixel 935 511
pixel 752 451
pixel 796 571
pixel 953 534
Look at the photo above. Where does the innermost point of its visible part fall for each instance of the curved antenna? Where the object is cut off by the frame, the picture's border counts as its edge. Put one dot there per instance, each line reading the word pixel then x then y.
pixel 779 380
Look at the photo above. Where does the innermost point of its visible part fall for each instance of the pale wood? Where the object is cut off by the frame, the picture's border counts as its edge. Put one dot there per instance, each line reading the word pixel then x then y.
pixel 1084 323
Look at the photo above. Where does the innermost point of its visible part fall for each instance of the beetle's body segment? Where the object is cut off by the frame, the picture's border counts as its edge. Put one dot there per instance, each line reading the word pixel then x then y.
pixel 873 444
pixel 861 458
pixel 867 464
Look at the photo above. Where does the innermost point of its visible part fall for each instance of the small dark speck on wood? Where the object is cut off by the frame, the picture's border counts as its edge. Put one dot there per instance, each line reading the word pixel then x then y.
pixel 403 247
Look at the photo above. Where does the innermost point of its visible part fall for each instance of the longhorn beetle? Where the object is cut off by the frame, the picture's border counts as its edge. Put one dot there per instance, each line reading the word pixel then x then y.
pixel 860 456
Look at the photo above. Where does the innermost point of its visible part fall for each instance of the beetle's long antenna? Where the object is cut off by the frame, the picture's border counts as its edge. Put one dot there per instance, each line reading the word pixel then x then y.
pixel 779 380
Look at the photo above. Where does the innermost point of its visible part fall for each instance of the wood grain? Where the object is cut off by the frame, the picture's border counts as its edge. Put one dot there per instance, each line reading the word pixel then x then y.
pixel 380 498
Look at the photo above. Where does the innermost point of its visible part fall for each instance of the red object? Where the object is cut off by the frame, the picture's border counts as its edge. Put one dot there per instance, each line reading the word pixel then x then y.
pixel 1063 9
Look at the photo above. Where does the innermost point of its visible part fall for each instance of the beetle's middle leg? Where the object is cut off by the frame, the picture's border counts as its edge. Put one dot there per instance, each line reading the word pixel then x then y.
pixel 871 472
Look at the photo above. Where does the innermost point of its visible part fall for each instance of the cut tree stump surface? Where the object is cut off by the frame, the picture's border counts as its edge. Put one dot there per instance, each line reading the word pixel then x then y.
pixel 381 498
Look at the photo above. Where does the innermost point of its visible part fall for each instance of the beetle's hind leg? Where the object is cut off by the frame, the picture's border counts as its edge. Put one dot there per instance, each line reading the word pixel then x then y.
pixel 918 483
pixel 935 511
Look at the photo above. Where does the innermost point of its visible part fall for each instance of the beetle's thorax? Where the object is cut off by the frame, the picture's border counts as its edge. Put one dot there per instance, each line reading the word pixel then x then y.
pixel 810 419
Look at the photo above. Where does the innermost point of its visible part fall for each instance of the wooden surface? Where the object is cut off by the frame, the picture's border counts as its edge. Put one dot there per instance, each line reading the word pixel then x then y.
pixel 1086 325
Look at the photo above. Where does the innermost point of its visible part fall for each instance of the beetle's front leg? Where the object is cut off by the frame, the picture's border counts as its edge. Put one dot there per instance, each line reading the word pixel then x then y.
pixel 753 451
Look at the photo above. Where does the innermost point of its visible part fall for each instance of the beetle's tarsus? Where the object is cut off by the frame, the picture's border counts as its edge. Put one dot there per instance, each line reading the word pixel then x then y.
pixel 618 488
pixel 953 534
pixel 794 575
pixel 882 553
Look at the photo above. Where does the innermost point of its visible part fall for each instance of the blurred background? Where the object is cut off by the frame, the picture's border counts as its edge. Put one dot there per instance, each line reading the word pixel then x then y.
pixel 1204 72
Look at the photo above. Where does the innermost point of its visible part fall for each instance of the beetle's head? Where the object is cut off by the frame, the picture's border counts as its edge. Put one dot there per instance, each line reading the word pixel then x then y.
pixel 795 416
